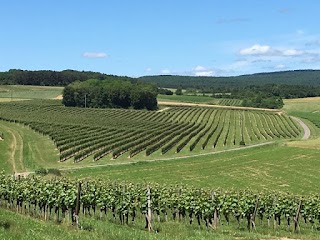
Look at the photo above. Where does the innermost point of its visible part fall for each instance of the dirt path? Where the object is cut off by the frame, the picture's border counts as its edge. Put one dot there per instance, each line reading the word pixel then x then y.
pixel 215 106
pixel 306 129
pixel 60 97
pixel 164 109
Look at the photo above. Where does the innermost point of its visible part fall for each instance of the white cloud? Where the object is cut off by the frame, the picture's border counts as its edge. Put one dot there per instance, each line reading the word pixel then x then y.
pixel 280 66
pixel 165 71
pixel 292 52
pixel 256 50
pixel 201 71
pixel 94 55
pixel 148 69
pixel 266 50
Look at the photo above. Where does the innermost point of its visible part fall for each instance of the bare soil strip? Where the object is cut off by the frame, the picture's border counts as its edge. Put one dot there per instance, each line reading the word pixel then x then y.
pixel 215 106
pixel 164 109
pixel 60 97
pixel 306 129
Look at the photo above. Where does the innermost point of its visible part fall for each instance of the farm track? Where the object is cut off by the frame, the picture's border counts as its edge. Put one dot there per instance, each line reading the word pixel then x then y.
pixel 156 160
pixel 216 106
pixel 306 129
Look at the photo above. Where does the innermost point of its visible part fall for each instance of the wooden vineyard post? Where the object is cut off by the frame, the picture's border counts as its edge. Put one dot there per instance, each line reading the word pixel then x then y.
pixel 253 216
pixel 215 214
pixel 77 210
pixel 148 213
pixel 296 218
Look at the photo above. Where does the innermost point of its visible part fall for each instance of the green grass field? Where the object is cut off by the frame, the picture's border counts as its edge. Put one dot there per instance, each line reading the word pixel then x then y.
pixel 188 98
pixel 289 166
pixel 14 92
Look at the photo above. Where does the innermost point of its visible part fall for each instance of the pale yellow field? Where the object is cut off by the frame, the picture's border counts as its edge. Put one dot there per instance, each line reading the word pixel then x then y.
pixel 9 99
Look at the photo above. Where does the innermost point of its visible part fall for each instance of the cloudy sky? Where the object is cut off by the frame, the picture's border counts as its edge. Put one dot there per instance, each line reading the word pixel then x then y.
pixel 145 37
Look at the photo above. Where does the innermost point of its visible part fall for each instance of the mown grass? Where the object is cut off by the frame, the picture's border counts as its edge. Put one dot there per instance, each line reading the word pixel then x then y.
pixel 29 92
pixel 23 149
pixel 282 168
pixel 16 226
pixel 189 99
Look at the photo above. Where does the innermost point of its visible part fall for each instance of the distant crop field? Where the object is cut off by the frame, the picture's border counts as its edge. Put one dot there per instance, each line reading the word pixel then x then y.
pixel 29 92
pixel 230 102
pixel 87 133
pixel 189 98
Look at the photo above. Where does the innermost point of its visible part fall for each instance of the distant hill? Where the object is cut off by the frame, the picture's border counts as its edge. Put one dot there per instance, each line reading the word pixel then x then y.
pixel 52 78
pixel 63 78
pixel 297 77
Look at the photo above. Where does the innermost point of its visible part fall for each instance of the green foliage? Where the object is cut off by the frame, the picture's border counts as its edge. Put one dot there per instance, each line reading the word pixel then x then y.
pixel 52 78
pixel 297 77
pixel 179 91
pixel 164 91
pixel 41 171
pixel 116 94
pixel 126 200
pixel 262 102
pixel 79 133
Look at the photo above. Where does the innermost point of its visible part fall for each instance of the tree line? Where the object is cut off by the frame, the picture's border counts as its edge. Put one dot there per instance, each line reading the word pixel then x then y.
pixel 53 78
pixel 110 94
pixel 297 77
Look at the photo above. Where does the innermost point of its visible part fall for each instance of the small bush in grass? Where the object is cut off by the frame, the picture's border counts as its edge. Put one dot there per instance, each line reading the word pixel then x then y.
pixel 242 143
pixel 54 171
pixel 41 171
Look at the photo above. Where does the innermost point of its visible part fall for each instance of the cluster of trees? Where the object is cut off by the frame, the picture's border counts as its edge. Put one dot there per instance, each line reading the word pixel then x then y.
pixel 112 93
pixel 53 78
pixel 260 102
pixel 164 91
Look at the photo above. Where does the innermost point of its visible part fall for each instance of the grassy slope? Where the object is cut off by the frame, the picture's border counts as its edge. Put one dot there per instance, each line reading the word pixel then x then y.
pixel 15 226
pixel 188 98
pixel 25 149
pixel 270 167
pixel 29 92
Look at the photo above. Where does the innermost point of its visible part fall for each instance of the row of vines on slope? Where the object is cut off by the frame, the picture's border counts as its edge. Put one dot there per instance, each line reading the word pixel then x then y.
pixel 80 133
pixel 57 199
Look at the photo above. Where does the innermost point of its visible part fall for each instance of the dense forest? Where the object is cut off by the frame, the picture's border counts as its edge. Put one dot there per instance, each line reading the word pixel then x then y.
pixel 297 77
pixel 110 94
pixel 63 78
pixel 53 78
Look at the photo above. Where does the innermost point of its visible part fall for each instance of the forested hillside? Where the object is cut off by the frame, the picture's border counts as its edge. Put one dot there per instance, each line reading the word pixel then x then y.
pixel 63 78
pixel 297 77
pixel 52 78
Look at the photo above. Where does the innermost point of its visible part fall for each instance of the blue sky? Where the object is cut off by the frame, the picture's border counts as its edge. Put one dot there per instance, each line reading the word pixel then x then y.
pixel 145 37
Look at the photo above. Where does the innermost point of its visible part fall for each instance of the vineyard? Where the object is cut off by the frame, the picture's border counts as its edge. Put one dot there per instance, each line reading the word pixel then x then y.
pixel 79 133
pixel 230 102
pixel 67 200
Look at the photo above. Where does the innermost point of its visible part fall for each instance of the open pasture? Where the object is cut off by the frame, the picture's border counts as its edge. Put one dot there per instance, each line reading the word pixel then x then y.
pixel 14 92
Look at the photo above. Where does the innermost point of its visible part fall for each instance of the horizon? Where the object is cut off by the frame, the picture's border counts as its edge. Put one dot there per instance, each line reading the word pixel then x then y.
pixel 207 38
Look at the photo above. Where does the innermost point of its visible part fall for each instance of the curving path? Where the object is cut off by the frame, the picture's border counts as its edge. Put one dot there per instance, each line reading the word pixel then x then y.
pixel 306 129
pixel 166 103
